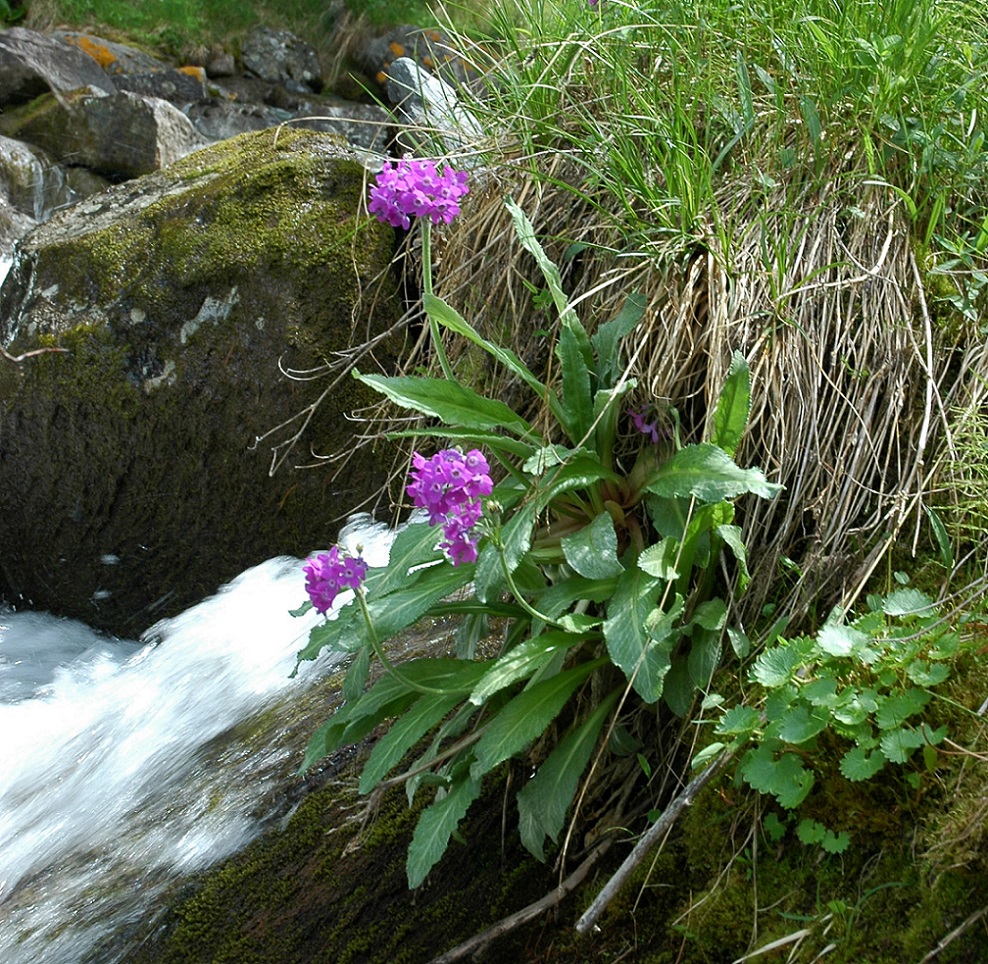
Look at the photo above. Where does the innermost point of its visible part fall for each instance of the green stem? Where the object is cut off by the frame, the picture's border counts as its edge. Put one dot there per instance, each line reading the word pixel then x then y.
pixel 531 610
pixel 437 340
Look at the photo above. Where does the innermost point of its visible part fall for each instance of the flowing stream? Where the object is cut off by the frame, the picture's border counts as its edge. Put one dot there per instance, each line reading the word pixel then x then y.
pixel 126 765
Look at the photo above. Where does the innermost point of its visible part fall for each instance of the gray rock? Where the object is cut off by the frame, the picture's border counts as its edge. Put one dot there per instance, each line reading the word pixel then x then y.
pixel 119 134
pixel 279 57
pixel 32 64
pixel 183 297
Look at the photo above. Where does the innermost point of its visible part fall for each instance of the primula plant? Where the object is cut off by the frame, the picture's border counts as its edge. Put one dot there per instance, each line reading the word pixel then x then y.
pixel 592 555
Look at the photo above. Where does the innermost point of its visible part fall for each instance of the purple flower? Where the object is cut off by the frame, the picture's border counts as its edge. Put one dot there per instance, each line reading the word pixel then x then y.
pixel 328 574
pixel 449 486
pixel 415 188
pixel 650 429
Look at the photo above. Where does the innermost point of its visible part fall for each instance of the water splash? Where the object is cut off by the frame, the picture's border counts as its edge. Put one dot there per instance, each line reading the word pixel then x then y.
pixel 124 766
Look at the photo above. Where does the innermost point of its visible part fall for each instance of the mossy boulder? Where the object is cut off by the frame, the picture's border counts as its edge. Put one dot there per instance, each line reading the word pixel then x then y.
pixel 133 480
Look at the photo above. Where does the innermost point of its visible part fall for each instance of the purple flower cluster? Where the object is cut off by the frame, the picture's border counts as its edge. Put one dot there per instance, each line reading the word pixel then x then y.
pixel 449 487
pixel 415 188
pixel 328 574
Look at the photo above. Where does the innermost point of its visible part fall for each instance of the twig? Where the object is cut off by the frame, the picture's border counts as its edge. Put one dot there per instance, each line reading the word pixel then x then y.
pixel 526 914
pixel 16 359
pixel 648 840
pixel 954 934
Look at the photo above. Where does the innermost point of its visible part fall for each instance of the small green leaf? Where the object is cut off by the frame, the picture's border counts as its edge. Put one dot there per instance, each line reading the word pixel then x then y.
pixel 659 560
pixel 739 642
pixel 607 339
pixel 732 539
pixel 800 724
pixel 708 472
pixel 704 657
pixel 893 710
pixel 837 640
pixel 526 716
pixel 861 764
pixel 941 536
pixel 907 602
pixel 776 665
pixel 436 825
pixel 926 674
pixel 592 550
pixel 356 676
pixel 739 720
pixel 784 778
pixel 733 406
pixel 707 755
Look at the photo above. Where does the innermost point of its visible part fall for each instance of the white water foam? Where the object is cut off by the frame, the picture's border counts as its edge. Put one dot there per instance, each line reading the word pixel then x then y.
pixel 113 776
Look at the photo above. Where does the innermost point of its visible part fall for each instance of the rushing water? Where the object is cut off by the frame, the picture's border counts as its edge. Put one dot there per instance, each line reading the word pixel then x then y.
pixel 123 765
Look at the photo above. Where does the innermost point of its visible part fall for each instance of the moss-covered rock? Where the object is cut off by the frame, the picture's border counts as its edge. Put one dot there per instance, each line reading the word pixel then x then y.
pixel 133 483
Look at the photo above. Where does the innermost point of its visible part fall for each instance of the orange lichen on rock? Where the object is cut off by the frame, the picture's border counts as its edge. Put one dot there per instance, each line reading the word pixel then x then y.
pixel 99 52
pixel 199 73
pixel 396 48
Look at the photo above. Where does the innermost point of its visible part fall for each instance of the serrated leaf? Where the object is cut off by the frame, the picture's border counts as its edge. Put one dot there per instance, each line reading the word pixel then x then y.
pixel 893 710
pixel 521 662
pixel 545 799
pixel 450 402
pixel 776 665
pixel 706 471
pixel 898 744
pixel 861 764
pixel 733 406
pixel 335 634
pixel 784 778
pixel 800 724
pixel 907 602
pixel 526 716
pixel 592 550
pixel 738 721
pixel 923 673
pixel 855 706
pixel 659 560
pixel 839 640
pixel 631 647
pixel 425 713
pixel 436 825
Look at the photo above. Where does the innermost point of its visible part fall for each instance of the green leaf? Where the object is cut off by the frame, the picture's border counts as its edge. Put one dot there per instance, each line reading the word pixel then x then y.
pixel 474 437
pixel 425 713
pixel 679 690
pixel 784 778
pixel 573 352
pixel 356 676
pixel 739 720
pixel 893 710
pixel 450 318
pixel 732 539
pixel 450 402
pixel 812 832
pixel 861 764
pixel 551 455
pixel 704 657
pixel 907 602
pixel 659 560
pixel 592 550
pixel 631 647
pixel 733 406
pixel 396 611
pixel 706 755
pixel 800 724
pixel 414 545
pixel 545 799
pixel 436 825
pixel 837 640
pixel 710 614
pixel 739 642
pixel 607 339
pixel 776 665
pixel 580 473
pixel 898 745
pixel 706 471
pixel 923 673
pixel 526 716
pixel 941 536
pixel 521 662
pixel 526 235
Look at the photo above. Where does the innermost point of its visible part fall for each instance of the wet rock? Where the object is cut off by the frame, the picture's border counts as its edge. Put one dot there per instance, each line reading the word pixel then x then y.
pixel 183 297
